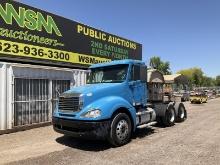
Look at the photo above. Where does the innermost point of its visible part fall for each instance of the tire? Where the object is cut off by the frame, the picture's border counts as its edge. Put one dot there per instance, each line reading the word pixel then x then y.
pixel 182 113
pixel 120 131
pixel 169 118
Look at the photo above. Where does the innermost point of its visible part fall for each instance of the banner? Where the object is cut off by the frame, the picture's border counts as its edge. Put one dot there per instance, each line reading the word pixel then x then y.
pixel 31 35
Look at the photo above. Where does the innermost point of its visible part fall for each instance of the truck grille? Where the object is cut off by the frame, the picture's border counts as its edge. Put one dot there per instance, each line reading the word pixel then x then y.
pixel 68 103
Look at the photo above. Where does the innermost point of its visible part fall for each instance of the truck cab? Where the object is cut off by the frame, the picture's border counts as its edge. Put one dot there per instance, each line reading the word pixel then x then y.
pixel 112 104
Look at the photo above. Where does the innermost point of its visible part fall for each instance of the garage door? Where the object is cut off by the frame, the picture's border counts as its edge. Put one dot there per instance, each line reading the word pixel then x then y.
pixel 31 101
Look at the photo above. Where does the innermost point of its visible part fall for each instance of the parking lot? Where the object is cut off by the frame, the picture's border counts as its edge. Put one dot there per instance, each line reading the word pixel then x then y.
pixel 196 141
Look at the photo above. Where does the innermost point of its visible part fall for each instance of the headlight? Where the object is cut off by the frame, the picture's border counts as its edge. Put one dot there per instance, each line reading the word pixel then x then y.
pixel 92 114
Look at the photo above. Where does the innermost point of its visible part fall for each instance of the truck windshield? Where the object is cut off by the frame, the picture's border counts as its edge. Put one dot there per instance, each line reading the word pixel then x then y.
pixel 108 74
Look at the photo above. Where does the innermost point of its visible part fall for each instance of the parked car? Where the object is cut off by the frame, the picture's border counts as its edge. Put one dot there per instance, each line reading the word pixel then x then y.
pixel 198 97
pixel 184 94
pixel 211 94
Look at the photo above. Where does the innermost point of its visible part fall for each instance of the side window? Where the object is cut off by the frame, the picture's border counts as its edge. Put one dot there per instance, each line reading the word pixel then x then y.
pixel 135 73
pixel 139 73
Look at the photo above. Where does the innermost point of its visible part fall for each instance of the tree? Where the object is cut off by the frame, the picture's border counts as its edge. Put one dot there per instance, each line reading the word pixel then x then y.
pixel 195 76
pixel 157 63
pixel 217 80
pixel 208 81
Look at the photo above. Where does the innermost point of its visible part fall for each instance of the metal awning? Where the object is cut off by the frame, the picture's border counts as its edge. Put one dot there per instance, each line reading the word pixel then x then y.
pixel 175 78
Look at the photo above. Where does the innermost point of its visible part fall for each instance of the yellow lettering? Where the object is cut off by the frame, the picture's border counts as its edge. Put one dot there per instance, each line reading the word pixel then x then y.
pixel 91 33
pixel 103 36
pixel 79 28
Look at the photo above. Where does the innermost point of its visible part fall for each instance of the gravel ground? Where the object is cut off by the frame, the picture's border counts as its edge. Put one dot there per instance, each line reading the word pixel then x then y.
pixel 195 141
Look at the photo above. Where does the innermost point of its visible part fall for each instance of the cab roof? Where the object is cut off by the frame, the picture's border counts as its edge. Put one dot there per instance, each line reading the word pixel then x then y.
pixel 118 62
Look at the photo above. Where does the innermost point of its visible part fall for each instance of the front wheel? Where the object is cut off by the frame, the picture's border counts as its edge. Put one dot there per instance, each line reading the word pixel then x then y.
pixel 120 132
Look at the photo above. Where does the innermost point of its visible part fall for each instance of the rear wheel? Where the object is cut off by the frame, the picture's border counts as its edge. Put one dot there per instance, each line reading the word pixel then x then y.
pixel 120 132
pixel 169 117
pixel 182 114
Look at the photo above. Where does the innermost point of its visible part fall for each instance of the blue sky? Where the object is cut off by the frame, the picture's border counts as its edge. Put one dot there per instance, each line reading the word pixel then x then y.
pixel 184 32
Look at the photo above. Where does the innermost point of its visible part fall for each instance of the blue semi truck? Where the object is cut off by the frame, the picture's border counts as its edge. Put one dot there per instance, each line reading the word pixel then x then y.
pixel 113 104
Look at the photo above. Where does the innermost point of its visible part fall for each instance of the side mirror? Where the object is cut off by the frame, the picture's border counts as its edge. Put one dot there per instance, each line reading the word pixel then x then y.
pixel 136 72
pixel 88 73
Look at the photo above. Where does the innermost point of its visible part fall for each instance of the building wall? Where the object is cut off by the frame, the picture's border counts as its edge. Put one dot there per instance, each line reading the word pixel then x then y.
pixel 18 84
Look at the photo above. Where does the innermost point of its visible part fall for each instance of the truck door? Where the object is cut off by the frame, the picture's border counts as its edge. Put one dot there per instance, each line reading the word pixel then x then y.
pixel 137 85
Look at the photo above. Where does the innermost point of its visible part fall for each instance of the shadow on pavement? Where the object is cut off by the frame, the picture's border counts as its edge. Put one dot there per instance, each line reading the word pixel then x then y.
pixel 98 145
pixel 143 132
pixel 82 144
